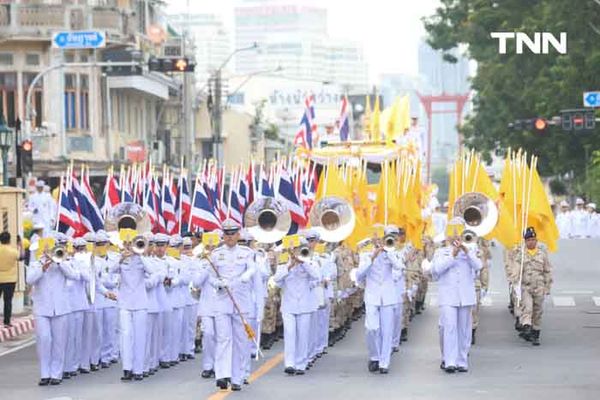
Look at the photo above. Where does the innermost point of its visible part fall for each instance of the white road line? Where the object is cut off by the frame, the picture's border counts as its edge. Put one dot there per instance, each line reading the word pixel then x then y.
pixel 563 301
pixel 19 347
pixel 576 292
pixel 596 301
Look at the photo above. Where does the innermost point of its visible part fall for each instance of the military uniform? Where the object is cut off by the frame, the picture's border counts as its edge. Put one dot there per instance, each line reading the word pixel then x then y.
pixel 481 282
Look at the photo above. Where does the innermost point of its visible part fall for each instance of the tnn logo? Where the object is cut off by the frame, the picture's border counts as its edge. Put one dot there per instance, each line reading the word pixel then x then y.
pixel 539 45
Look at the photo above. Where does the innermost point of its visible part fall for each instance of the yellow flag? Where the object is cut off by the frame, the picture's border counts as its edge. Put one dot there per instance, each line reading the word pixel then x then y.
pixel 367 119
pixel 375 120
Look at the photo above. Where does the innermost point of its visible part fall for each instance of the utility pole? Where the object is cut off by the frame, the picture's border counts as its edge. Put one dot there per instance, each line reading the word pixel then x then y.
pixel 218 120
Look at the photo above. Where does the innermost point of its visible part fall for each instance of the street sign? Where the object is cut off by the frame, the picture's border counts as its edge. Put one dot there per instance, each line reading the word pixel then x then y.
pixel 79 39
pixel 591 99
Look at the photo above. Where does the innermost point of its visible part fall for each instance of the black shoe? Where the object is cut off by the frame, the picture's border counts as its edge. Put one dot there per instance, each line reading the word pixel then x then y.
pixel 182 358
pixel 114 361
pixel 55 382
pixel 535 337
pixel 138 377
pixel 235 387
pixel 462 369
pixel 442 365
pixel 404 335
pixel 151 372
pixel 373 366
pixel 246 382
pixel 94 367
pixel 44 382
pixel 395 349
pixel 173 363
pixel 66 375
pixel 73 374
pixel 319 355
pixel 207 373
pixel 450 369
pixel 518 326
pixel 164 365
pixel 104 365
pixel 473 336
pixel 197 346
pixel 222 384
pixel 383 370
pixel 300 372
pixel 84 371
pixel 190 356
pixel 324 352
pixel 526 333
pixel 146 374
pixel 289 370
pixel 127 376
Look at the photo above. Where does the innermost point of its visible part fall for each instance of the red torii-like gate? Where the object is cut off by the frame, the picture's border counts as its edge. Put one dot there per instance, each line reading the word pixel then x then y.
pixel 459 101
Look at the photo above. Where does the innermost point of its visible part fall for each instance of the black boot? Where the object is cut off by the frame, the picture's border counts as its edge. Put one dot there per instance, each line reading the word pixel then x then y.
pixel 404 335
pixel 535 337
pixel 418 307
pixel 197 346
pixel 526 333
pixel 127 375
pixel 518 326
pixel 473 336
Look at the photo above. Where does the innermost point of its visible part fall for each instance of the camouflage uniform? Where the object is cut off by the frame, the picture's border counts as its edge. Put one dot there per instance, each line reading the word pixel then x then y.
pixel 482 280
pixel 413 276
pixel 426 253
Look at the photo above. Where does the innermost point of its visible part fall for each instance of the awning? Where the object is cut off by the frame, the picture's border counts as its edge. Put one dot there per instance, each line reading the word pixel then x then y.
pixel 141 83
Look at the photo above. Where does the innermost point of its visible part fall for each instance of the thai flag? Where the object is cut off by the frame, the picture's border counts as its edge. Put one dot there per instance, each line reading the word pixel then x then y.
pixel 90 222
pixel 160 226
pixel 112 195
pixel 286 194
pixel 184 201
pixel 308 127
pixel 149 205
pixel 93 212
pixel 242 194
pixel 170 221
pixel 68 220
pixel 266 190
pixel 250 181
pixel 202 213
pixel 344 122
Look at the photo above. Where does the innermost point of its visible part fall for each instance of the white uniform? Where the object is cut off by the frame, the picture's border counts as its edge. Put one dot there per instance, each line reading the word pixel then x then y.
pixel 579 223
pixel 456 296
pixel 80 324
pixel 106 311
pixel 43 208
pixel 564 222
pixel 207 312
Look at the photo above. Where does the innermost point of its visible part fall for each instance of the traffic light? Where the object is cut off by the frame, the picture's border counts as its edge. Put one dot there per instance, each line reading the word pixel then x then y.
pixel 182 64
pixel 578 120
pixel 540 125
pixel 26 149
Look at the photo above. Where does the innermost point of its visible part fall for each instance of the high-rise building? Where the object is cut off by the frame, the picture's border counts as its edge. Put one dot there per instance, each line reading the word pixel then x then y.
pixel 293 36
pixel 442 77
pixel 210 39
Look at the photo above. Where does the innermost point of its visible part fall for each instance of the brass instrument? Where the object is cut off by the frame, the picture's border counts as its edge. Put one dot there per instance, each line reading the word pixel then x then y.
pixel 59 254
pixel 479 212
pixel 128 215
pixel 333 218
pixel 268 220
pixel 139 244
pixel 303 254
pixel 389 243
pixel 468 236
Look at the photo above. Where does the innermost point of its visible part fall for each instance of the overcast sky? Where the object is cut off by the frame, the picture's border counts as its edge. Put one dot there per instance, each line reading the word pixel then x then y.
pixel 389 30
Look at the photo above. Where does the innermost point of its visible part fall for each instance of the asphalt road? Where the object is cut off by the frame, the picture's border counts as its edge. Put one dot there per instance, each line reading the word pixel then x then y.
pixel 565 366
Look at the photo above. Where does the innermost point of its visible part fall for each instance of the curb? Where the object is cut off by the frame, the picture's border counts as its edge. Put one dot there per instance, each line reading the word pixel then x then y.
pixel 20 325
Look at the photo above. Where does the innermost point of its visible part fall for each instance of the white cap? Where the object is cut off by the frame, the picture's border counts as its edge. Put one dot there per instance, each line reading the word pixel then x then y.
pixel 186 241
pixel 175 241
pixel 446 204
pixel 90 237
pixel 161 238
pixel 310 234
pixel 564 203
pixel 391 230
pixel 102 237
pixel 38 226
pixel 579 201
pixel 40 184
pixel 79 242
pixel 592 206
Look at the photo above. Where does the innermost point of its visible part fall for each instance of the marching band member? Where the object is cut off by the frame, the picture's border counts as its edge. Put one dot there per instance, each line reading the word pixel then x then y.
pixel 106 311
pixel 328 273
pixel 166 309
pixel 297 304
pixel 318 297
pixel 152 282
pixel 564 221
pixel 379 271
pixel 482 282
pixel 79 323
pixel 177 284
pixel 51 308
pixel 455 266
pixel 232 277
pixel 191 267
pixel 133 308
pixel 579 217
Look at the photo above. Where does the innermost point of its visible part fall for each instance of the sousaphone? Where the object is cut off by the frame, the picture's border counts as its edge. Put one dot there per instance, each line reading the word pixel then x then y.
pixel 333 218
pixel 479 212
pixel 268 220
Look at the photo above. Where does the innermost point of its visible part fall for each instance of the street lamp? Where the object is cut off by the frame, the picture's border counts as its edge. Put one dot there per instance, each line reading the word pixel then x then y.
pixel 6 141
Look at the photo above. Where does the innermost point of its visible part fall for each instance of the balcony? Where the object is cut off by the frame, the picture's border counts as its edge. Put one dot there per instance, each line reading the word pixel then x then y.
pixel 38 21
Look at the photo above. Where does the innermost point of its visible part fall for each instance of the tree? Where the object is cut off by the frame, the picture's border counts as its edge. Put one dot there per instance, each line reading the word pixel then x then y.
pixel 515 86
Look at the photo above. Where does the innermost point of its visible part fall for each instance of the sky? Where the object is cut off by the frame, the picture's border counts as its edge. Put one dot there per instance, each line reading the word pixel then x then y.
pixel 388 30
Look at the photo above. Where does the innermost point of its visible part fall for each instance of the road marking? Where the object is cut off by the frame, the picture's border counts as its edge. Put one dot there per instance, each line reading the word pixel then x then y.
pixel 577 292
pixel 596 301
pixel 19 347
pixel 563 301
pixel 486 301
pixel 263 369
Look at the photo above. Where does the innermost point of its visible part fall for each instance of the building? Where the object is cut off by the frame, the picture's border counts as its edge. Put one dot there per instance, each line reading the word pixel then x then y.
pixel 210 41
pixel 441 77
pixel 92 114
pixel 293 36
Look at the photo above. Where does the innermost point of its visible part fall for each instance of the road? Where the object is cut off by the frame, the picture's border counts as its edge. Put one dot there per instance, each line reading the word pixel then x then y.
pixel 565 366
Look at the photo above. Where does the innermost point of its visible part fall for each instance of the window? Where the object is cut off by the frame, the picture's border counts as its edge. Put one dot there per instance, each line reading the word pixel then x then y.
pixel 6 59
pixel 36 97
pixel 32 59
pixel 84 100
pixel 8 97
pixel 70 101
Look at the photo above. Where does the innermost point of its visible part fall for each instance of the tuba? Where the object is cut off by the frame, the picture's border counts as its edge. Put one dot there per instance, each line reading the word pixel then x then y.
pixel 128 215
pixel 479 212
pixel 268 220
pixel 333 217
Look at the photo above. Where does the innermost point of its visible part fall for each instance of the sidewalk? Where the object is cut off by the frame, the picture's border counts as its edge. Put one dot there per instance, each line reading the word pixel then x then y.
pixel 21 325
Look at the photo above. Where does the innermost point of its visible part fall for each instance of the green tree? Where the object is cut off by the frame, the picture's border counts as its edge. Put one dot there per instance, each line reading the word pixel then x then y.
pixel 515 86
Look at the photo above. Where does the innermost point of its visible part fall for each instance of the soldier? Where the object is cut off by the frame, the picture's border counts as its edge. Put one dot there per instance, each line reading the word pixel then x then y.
pixel 536 285
pixel 379 271
pixel 51 308
pixel 455 267
pixel 412 277
pixel 269 327
pixel 152 283
pixel 232 276
pixel 297 304
pixel 427 254
pixel 481 282
pixel 191 267
pixel 43 207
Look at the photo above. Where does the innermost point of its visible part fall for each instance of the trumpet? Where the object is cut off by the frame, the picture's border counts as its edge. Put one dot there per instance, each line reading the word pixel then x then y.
pixel 389 243
pixel 58 254
pixel 468 236
pixel 139 244
pixel 304 254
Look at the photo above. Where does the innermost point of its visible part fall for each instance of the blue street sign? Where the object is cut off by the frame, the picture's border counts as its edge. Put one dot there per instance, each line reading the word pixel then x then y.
pixel 79 39
pixel 591 99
